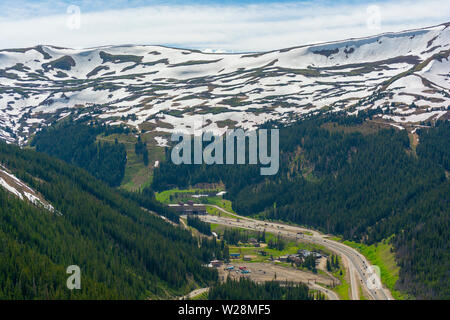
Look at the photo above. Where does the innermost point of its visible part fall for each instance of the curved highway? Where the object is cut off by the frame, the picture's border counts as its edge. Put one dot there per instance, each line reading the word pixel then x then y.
pixel 360 270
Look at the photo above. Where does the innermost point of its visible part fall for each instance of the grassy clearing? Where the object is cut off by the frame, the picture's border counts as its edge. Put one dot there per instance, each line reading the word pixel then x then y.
pixel 413 142
pixel 220 202
pixel 201 296
pixel 175 195
pixel 343 289
pixel 334 238
pixel 216 212
pixel 137 174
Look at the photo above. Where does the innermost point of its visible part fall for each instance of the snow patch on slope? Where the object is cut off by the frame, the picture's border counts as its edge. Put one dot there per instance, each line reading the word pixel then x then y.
pixel 15 186
pixel 173 88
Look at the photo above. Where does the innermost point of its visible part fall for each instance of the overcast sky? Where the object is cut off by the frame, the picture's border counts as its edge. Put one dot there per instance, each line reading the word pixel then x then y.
pixel 232 26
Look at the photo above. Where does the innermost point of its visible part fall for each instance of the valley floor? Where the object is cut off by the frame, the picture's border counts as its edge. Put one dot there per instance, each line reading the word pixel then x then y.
pixel 358 266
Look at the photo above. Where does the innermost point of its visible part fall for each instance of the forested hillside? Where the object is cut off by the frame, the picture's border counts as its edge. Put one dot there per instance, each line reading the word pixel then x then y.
pixel 344 176
pixel 75 143
pixel 123 251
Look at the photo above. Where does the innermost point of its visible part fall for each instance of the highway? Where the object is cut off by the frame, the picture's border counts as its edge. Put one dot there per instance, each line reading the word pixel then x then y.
pixel 359 268
pixel 330 294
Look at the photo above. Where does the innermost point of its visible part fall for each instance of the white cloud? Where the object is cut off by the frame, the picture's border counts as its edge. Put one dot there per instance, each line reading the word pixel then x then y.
pixel 214 27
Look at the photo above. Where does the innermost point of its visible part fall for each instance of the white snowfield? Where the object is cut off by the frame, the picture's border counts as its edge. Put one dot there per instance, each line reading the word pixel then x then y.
pixel 15 186
pixel 181 90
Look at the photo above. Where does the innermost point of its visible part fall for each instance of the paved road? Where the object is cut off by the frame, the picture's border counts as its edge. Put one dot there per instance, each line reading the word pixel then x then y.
pixel 357 263
pixel 194 293
pixel 331 294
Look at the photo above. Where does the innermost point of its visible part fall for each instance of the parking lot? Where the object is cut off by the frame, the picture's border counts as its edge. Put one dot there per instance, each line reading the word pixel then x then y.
pixel 269 271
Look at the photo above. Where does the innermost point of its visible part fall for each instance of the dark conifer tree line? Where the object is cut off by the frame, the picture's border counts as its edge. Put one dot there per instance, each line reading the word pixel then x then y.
pixel 234 236
pixel 75 143
pixel 278 243
pixel 140 148
pixel 246 289
pixel 198 224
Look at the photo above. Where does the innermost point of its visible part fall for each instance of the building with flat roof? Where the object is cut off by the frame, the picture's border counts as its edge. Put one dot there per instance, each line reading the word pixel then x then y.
pixel 189 208
pixel 216 263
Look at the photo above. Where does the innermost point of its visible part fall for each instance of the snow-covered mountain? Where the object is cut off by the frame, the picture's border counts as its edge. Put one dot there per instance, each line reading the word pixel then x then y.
pixel 164 89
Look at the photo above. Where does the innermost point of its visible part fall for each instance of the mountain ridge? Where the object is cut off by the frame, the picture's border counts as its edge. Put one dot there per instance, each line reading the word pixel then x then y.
pixel 163 89
pixel 444 24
